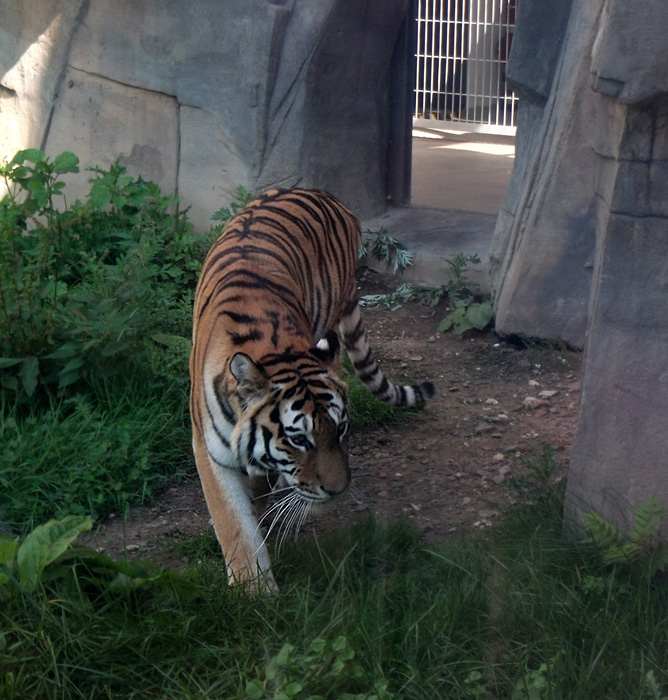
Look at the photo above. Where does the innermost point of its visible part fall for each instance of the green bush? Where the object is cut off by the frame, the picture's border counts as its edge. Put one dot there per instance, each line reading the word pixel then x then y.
pixel 95 319
pixel 84 287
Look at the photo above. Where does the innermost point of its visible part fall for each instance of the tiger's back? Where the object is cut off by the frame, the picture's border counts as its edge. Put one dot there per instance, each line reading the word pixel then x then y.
pixel 266 399
pixel 280 273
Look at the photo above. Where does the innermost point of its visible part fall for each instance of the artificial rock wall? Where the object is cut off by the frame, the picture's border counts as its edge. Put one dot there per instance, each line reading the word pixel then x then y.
pixel 206 95
pixel 580 250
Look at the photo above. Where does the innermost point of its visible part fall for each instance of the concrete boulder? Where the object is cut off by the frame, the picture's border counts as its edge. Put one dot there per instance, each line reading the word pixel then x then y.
pixel 204 96
pixel 580 250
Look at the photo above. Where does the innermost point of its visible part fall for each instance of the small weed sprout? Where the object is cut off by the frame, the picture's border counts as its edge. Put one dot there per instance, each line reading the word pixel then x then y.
pixel 385 248
pixel 225 214
pixel 289 673
pixel 470 309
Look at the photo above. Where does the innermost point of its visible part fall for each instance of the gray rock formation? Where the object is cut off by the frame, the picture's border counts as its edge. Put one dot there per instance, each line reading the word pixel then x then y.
pixel 204 96
pixel 542 250
pixel 580 250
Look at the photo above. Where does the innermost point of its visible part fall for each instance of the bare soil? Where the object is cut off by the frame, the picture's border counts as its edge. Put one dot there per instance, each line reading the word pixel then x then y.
pixel 446 469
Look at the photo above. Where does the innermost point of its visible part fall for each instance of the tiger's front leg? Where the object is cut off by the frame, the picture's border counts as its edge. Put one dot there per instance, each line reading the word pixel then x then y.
pixel 229 496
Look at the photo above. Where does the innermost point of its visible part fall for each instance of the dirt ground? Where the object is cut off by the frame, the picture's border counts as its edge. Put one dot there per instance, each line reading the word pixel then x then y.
pixel 446 469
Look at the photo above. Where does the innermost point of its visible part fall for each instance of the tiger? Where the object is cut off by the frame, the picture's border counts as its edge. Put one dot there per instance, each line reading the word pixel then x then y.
pixel 266 400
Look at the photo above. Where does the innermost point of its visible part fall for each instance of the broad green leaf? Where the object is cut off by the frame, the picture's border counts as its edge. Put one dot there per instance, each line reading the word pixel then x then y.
pixel 32 155
pixel 20 172
pixel 10 362
pixel 113 348
pixel 8 550
pixel 254 690
pixel 34 185
pixel 454 318
pixel 66 162
pixel 67 350
pixel 73 364
pixel 658 559
pixel 10 383
pixel 99 197
pixel 340 643
pixel 479 315
pixel 68 378
pixel 124 181
pixel 292 689
pixel 45 544
pixel 29 374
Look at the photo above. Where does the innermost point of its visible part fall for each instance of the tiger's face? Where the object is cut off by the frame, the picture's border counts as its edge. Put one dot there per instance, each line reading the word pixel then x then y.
pixel 295 426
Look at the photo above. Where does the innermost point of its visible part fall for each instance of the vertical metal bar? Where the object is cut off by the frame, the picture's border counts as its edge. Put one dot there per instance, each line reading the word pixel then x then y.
pixel 438 10
pixel 476 24
pixel 432 54
pixel 464 28
pixel 416 98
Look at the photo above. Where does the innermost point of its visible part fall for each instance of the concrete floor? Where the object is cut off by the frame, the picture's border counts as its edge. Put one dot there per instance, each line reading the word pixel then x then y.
pixel 458 185
pixel 459 172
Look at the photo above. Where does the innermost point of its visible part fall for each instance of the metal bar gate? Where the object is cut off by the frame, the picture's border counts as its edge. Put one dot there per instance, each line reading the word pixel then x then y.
pixel 462 52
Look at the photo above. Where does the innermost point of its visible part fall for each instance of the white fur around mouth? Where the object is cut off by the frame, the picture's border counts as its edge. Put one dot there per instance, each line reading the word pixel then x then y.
pixel 290 512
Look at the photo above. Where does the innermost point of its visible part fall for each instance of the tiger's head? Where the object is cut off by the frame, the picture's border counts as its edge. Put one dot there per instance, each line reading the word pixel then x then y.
pixel 292 419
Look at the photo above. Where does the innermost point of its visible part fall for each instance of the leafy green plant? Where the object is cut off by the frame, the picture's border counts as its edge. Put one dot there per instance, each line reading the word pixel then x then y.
pixel 466 315
pixel 26 561
pixel 536 684
pixel 403 293
pixel 640 546
pixel 48 555
pixel 652 688
pixel 474 686
pixel 95 324
pixel 83 287
pixel 538 483
pixel 290 674
pixel 470 310
pixel 458 286
pixel 384 248
pixel 225 214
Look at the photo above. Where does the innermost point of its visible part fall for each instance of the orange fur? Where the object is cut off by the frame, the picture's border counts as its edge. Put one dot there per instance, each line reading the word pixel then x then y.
pixel 265 396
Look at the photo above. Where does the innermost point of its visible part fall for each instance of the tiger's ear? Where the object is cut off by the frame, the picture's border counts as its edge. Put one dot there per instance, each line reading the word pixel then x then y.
pixel 328 350
pixel 252 381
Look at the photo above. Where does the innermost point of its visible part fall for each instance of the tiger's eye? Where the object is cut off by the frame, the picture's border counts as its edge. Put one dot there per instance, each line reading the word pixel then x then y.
pixel 299 441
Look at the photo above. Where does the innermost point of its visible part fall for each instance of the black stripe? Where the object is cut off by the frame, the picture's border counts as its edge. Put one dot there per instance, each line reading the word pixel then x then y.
pixel 370 374
pixel 241 338
pixel 366 361
pixel 221 398
pixel 241 318
pixel 383 388
pixel 352 338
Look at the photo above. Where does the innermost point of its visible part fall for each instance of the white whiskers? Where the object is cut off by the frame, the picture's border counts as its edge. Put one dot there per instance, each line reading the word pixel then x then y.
pixel 289 513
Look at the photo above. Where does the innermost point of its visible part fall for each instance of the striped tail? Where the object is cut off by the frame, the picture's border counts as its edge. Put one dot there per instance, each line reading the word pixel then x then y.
pixel 360 352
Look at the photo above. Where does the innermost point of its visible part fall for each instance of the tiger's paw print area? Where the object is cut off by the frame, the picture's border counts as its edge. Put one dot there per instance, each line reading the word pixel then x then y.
pixel 447 468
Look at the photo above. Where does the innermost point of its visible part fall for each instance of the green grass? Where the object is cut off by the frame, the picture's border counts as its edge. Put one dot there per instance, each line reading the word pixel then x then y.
pixel 365 409
pixel 91 453
pixel 368 612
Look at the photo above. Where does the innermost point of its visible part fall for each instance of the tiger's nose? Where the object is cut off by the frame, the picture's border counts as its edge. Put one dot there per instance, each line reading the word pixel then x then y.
pixel 335 481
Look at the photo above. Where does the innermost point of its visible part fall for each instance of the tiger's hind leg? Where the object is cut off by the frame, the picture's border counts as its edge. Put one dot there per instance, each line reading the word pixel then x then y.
pixel 229 496
pixel 361 355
